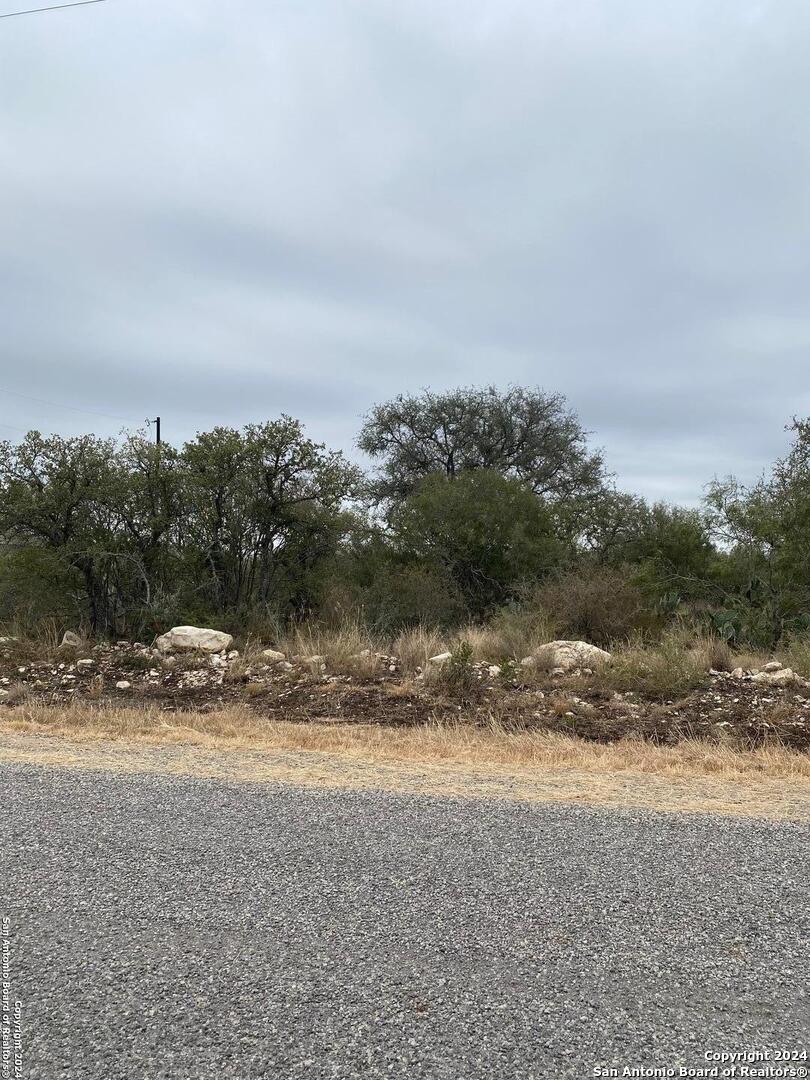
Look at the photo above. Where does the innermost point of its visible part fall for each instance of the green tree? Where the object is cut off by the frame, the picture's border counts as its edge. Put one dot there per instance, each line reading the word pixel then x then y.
pixel 53 494
pixel 490 533
pixel 521 433
pixel 260 507
pixel 765 529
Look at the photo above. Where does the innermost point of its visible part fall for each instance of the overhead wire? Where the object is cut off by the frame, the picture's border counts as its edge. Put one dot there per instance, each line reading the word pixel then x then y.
pixel 71 408
pixel 53 7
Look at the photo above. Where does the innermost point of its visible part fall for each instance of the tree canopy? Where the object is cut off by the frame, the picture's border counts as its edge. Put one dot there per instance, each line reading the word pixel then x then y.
pixel 522 433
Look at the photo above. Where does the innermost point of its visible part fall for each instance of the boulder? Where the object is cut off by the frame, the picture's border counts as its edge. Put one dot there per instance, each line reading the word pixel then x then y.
pixel 189 638
pixel 568 655
pixel 773 665
pixel 123 684
pixel 440 658
pixel 272 656
pixel 70 640
pixel 783 676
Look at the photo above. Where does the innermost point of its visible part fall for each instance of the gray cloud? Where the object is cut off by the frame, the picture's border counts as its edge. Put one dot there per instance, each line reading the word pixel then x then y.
pixel 221 212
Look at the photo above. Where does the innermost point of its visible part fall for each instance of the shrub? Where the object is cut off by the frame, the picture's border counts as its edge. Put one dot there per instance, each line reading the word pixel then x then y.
pixel 455 676
pixel 598 605
pixel 414 596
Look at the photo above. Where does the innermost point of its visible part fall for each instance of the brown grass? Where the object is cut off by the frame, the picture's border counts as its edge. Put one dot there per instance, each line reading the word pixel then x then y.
pixel 238 727
pixel 415 647
pixel 348 648
pixel 450 759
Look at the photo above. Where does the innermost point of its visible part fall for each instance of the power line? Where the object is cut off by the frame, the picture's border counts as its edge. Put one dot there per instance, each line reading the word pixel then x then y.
pixel 71 408
pixel 53 7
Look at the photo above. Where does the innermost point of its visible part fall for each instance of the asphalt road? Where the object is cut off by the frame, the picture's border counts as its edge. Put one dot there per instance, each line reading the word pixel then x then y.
pixel 183 928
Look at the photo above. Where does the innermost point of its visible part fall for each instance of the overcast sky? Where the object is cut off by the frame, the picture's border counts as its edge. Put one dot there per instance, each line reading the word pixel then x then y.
pixel 222 211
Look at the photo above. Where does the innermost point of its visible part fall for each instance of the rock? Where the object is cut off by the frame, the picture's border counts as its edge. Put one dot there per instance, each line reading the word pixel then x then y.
pixel 83 665
pixel 440 658
pixel 123 685
pixel 314 660
pixel 773 665
pixel 70 640
pixel 187 638
pixel 272 656
pixel 738 673
pixel 781 677
pixel 528 662
pixel 494 671
pixel 285 665
pixel 573 654
pixel 4 694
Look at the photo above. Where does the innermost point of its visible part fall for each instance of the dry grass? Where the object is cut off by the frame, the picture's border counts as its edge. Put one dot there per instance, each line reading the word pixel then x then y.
pixel 508 637
pixel 347 648
pixel 797 656
pixel 456 760
pixel 668 671
pixel 415 647
pixel 238 727
pixel 16 693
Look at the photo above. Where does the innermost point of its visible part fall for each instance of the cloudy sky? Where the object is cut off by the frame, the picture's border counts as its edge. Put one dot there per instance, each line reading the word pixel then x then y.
pixel 222 211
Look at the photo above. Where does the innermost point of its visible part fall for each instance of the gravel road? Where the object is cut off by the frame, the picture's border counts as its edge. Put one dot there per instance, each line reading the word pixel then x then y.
pixel 167 927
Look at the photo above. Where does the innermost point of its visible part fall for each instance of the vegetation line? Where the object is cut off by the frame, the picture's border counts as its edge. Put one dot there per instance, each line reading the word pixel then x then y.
pixel 481 505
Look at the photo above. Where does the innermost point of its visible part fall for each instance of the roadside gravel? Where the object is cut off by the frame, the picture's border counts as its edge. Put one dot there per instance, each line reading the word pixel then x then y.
pixel 173 927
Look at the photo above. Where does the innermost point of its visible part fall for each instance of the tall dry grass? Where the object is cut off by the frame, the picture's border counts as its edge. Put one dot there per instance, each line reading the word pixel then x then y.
pixel 237 727
pixel 347 647
pixel 797 656
pixel 414 647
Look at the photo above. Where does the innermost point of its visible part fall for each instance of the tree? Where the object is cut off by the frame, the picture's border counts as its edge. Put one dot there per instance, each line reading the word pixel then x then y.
pixel 490 533
pixel 521 433
pixel 52 495
pixel 260 505
pixel 144 534
pixel 766 531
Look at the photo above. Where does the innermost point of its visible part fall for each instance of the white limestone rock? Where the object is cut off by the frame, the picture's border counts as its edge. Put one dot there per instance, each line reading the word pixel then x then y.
pixel 568 655
pixel 194 638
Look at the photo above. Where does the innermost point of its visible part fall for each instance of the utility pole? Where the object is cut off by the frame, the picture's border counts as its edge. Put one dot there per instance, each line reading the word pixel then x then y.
pixel 156 422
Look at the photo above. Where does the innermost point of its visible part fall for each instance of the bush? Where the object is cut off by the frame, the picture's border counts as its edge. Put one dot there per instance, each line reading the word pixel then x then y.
pixel 598 605
pixel 413 596
pixel 456 676
pixel 487 532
